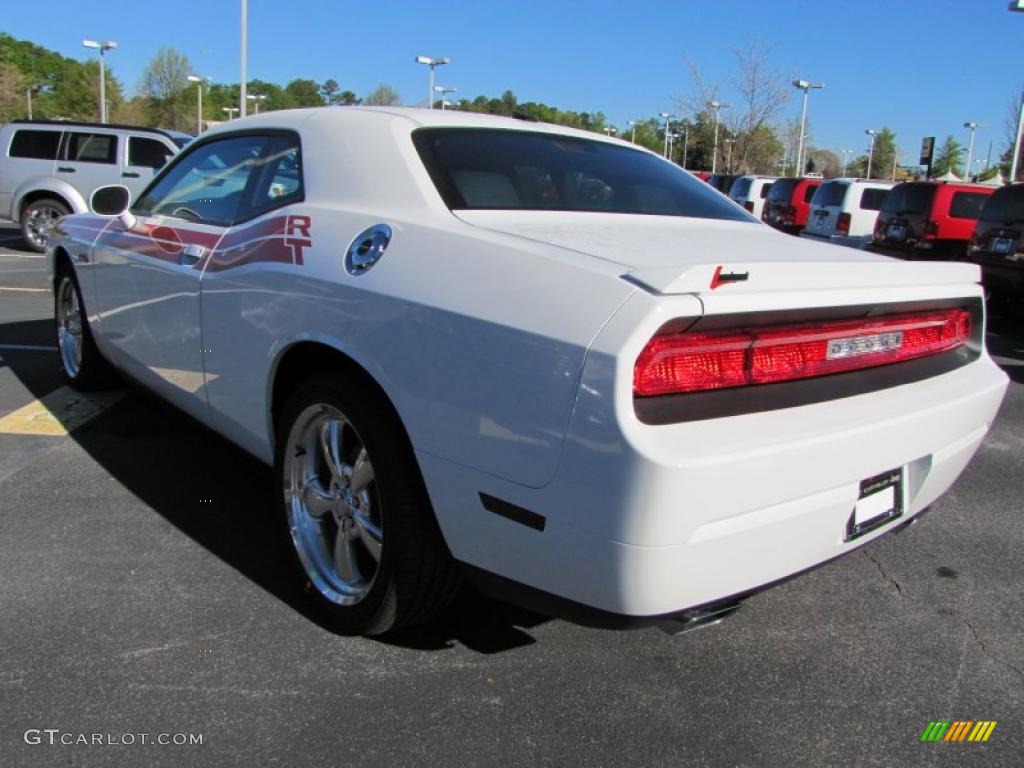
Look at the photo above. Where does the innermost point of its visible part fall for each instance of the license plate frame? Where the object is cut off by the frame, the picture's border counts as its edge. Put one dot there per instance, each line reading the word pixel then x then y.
pixel 896 232
pixel 1001 245
pixel 879 501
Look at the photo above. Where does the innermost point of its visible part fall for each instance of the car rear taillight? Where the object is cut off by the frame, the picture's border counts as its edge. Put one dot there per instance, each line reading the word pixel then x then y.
pixel 676 363
pixel 749 205
pixel 931 229
pixel 843 224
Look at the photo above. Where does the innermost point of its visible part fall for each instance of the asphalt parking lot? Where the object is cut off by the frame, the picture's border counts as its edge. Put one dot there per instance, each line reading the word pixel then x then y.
pixel 141 593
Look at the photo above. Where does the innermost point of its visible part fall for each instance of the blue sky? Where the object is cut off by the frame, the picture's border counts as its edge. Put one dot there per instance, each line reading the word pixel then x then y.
pixel 920 67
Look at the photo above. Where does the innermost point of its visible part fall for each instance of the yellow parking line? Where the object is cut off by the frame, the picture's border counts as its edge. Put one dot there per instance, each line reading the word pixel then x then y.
pixel 60 412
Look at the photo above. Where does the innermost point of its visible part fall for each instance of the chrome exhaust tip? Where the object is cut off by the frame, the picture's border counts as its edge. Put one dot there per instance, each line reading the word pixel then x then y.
pixel 698 618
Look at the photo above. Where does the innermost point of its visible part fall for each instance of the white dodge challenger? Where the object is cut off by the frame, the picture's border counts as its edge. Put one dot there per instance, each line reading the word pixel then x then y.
pixel 544 360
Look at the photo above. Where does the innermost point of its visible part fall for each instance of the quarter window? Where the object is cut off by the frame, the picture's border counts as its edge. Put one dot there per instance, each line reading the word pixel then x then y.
pixel 148 153
pixel 872 199
pixel 91 148
pixel 967 205
pixel 39 145
pixel 207 185
pixel 277 177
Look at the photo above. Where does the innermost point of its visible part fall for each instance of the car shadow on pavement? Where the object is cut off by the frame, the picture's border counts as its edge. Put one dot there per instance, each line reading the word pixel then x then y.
pixel 174 465
pixel 1005 342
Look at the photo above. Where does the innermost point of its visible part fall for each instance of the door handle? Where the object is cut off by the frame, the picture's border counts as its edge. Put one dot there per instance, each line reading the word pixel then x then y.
pixel 191 254
pixel 129 175
pixel 65 169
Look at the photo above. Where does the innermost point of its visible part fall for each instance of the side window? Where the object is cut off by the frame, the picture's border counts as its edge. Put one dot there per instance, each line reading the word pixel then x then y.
pixel 872 199
pixel 765 190
pixel 809 192
pixel 39 145
pixel 148 153
pixel 277 178
pixel 967 205
pixel 91 148
pixel 207 183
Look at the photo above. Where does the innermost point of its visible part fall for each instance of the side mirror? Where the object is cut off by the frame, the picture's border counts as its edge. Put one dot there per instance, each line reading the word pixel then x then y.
pixel 113 200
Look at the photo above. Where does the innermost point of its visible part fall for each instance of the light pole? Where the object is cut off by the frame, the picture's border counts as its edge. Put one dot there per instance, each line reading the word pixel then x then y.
pixel 672 136
pixel 432 62
pixel 871 148
pixel 686 141
pixel 256 99
pixel 632 135
pixel 805 86
pixel 1018 7
pixel 245 58
pixel 728 163
pixel 667 116
pixel 102 47
pixel 970 144
pixel 199 100
pixel 231 112
pixel 444 90
pixel 28 92
pixel 846 159
pixel 610 130
pixel 717 106
pixel 895 158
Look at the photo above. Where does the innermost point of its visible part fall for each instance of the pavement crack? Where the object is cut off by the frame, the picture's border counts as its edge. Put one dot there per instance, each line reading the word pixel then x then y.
pixel 984 649
pixel 881 570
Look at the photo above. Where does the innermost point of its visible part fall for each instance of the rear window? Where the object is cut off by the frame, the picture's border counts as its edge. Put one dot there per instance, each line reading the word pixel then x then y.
pixel 781 190
pixel 967 205
pixel 872 199
pixel 39 145
pixel 1006 204
pixel 91 148
pixel 766 189
pixel 909 198
pixel 150 153
pixel 492 169
pixel 830 193
pixel 740 187
pixel 809 192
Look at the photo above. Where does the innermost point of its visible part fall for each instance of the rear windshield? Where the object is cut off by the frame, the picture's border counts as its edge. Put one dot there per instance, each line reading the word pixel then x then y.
pixel 490 169
pixel 830 193
pixel 740 187
pixel 1006 204
pixel 909 198
pixel 40 145
pixel 967 205
pixel 781 190
pixel 872 199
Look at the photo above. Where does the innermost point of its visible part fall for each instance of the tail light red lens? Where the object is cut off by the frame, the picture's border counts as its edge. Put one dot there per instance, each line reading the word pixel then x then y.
pixel 931 229
pixel 701 361
pixel 749 205
pixel 843 224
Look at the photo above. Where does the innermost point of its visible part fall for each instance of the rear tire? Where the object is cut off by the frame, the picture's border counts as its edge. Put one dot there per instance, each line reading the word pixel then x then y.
pixel 38 218
pixel 81 362
pixel 360 532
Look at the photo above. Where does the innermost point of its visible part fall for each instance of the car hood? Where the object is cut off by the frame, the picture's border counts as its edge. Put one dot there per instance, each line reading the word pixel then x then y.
pixel 670 254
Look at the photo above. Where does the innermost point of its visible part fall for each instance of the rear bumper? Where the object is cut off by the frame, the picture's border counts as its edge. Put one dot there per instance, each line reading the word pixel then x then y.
pixel 661 519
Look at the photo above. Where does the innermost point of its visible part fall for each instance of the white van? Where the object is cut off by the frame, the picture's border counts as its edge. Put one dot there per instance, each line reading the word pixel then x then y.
pixel 750 192
pixel 843 211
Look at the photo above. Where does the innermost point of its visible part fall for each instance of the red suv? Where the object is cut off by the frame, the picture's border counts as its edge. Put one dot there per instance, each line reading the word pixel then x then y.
pixel 929 219
pixel 998 242
pixel 788 203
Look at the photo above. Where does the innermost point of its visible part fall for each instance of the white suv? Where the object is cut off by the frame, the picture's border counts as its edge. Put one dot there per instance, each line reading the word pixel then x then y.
pixel 843 211
pixel 750 192
pixel 49 169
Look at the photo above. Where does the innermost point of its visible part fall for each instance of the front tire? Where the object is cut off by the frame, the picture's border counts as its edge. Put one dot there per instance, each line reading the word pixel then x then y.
pixel 37 220
pixel 80 360
pixel 357 521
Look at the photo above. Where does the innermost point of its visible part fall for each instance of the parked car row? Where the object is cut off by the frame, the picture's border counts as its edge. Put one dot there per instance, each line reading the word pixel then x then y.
pixel 931 219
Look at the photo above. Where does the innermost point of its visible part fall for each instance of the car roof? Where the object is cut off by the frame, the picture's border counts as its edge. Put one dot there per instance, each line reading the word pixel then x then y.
pixel 83 124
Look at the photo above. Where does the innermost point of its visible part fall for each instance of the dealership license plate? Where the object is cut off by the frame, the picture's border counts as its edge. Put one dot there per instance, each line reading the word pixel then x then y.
pixel 1001 244
pixel 880 500
pixel 896 232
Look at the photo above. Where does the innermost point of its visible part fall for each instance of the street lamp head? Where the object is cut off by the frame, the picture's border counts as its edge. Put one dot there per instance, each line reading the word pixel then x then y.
pixel 101 46
pixel 666 115
pixel 870 132
pixel 1016 5
pixel 445 89
pixel 433 61
pixel 256 96
pixel 194 79
pixel 802 84
pixel 972 126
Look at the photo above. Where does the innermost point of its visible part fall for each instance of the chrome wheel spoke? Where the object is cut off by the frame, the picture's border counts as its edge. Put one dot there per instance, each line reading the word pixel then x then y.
pixel 345 559
pixel 330 446
pixel 317 500
pixel 369 534
pixel 361 472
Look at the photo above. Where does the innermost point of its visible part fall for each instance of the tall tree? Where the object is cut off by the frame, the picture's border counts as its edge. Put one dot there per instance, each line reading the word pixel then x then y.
pixel 382 96
pixel 949 157
pixel 304 93
pixel 164 85
pixel 13 96
pixel 1010 124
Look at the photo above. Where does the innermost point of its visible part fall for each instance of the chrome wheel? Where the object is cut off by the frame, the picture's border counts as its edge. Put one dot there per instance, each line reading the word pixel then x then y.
pixel 332 504
pixel 69 326
pixel 40 219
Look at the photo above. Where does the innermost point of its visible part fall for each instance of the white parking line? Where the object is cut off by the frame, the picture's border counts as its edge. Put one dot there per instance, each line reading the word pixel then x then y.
pixel 16 255
pixel 24 290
